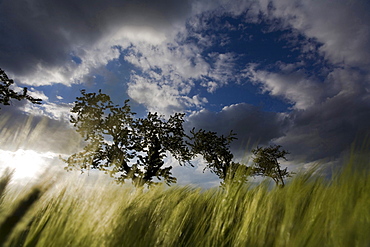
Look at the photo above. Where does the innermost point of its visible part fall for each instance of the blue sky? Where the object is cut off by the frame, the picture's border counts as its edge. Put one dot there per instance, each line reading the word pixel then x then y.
pixel 288 72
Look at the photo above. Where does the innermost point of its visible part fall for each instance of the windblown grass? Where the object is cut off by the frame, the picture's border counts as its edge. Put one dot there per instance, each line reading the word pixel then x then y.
pixel 309 211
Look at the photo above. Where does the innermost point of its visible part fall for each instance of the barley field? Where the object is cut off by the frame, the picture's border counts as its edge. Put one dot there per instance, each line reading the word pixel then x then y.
pixel 310 210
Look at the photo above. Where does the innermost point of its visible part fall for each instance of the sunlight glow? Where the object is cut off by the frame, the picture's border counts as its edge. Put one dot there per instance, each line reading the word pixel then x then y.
pixel 28 164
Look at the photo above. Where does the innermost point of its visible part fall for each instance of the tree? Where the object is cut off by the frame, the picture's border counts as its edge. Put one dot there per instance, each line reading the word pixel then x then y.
pixel 266 163
pixel 97 118
pixel 125 147
pixel 215 150
pixel 154 137
pixel 6 93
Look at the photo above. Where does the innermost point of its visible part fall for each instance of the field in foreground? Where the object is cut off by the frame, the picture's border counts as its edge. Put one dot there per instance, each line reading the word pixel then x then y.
pixel 309 211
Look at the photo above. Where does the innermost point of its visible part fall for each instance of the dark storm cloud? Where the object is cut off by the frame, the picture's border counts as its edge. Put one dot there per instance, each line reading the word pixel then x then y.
pixel 327 130
pixel 44 33
pixel 252 125
pixel 321 132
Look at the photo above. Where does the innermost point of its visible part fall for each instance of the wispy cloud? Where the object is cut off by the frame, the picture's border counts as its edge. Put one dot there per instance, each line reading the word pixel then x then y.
pixel 300 90
pixel 172 70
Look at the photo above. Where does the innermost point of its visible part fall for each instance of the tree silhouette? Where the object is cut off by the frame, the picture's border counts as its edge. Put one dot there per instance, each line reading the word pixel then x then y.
pixel 266 163
pixel 215 150
pixel 125 147
pixel 154 137
pixel 6 93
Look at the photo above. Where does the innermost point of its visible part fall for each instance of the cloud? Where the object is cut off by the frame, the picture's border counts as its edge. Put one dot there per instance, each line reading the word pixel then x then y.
pixel 341 26
pixel 327 116
pixel 59 112
pixel 252 125
pixel 329 113
pixel 50 37
pixel 222 71
pixel 327 130
pixel 295 87
pixel 164 76
pixel 174 59
pixel 71 42
pixel 163 99
pixel 331 108
pixel 171 60
pixel 171 71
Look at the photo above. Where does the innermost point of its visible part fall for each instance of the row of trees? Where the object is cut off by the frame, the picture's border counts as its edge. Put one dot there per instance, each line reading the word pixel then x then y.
pixel 132 148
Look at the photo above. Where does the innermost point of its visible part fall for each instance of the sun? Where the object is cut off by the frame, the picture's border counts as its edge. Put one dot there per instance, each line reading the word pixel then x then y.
pixel 28 164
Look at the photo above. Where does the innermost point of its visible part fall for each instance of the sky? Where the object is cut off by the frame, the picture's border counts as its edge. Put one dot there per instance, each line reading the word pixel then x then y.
pixel 294 73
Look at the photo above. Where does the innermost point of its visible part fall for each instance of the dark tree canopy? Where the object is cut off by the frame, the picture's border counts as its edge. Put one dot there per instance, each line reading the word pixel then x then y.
pixel 6 93
pixel 154 137
pixel 266 163
pixel 125 147
pixel 215 150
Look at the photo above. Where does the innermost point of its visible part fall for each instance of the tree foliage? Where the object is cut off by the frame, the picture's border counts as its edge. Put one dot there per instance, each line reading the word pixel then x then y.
pixel 154 137
pixel 266 163
pixel 6 93
pixel 125 147
pixel 215 150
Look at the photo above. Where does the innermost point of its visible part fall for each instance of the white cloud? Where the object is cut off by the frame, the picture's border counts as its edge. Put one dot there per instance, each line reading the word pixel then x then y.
pixel 341 26
pixel 295 87
pixel 172 58
pixel 156 98
pixel 174 68
pixel 37 94
pixel 168 73
pixel 222 70
pixel 165 97
pixel 60 112
pixel 210 85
